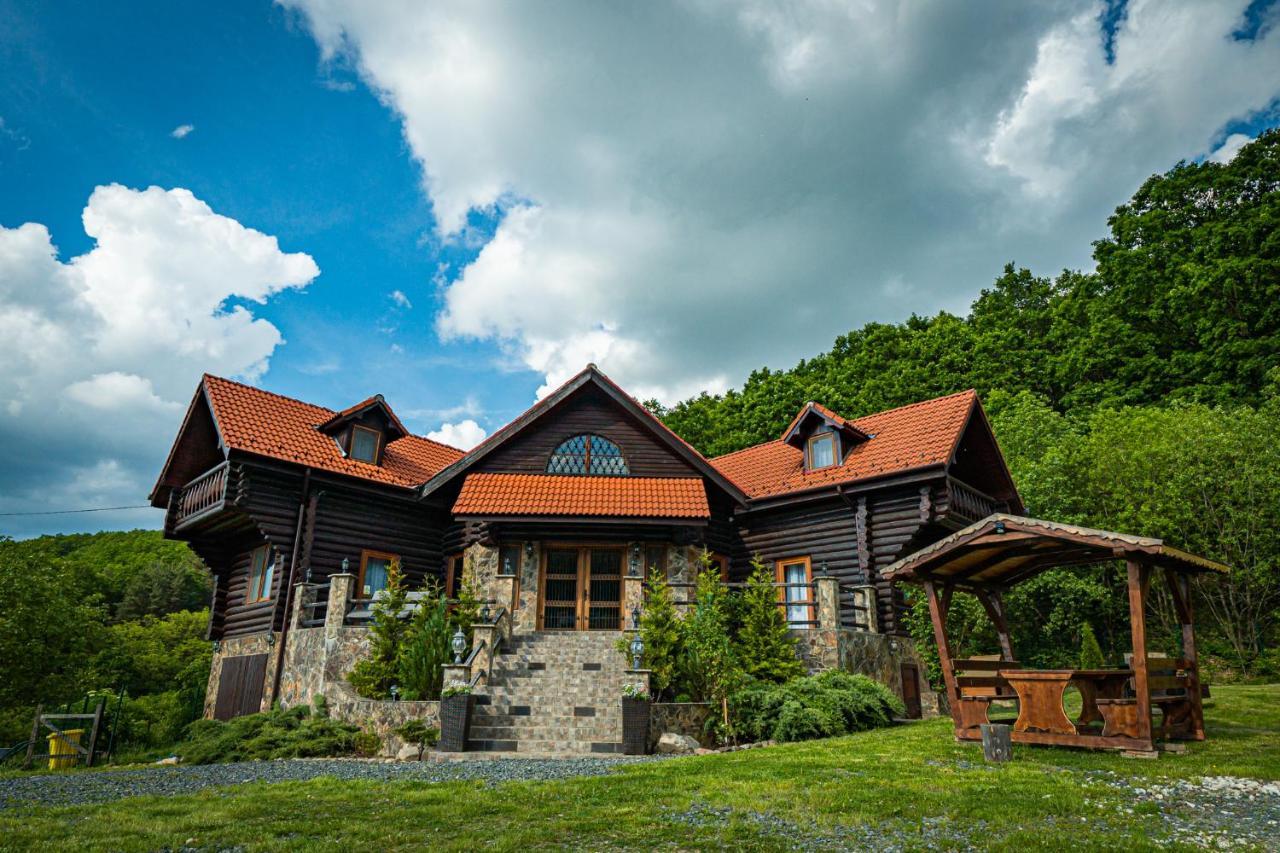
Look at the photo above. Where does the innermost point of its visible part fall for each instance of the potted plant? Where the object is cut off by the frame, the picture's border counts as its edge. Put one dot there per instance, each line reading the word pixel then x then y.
pixel 455 717
pixel 635 719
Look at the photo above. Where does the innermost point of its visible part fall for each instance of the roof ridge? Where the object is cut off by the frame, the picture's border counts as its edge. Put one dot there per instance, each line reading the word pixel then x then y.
pixel 585 477
pixel 279 396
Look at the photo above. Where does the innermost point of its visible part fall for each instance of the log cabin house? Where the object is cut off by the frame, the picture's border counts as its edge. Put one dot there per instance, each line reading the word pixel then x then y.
pixel 298 511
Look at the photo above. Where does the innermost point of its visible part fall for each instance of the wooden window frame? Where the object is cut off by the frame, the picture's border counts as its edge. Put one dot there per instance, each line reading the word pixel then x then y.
pixel 721 560
pixel 377 444
pixel 780 576
pixel 452 572
pixel 365 556
pixel 254 592
pixel 586 456
pixel 835 450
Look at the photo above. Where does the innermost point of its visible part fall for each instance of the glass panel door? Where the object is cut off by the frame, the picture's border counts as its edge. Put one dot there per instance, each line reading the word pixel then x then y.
pixel 604 589
pixel 560 590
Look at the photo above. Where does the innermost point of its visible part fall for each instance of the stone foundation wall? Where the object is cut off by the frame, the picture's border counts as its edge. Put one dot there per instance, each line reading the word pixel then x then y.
pixel 878 656
pixel 255 644
pixel 683 718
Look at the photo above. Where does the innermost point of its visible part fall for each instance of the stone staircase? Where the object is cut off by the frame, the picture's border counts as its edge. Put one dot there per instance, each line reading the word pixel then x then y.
pixel 553 692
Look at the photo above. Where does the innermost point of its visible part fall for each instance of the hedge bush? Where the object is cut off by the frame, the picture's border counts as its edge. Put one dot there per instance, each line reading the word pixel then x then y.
pixel 825 705
pixel 295 733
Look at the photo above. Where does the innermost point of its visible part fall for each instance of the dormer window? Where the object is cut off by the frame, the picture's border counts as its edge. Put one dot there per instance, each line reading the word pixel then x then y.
pixel 588 454
pixel 364 444
pixel 822 451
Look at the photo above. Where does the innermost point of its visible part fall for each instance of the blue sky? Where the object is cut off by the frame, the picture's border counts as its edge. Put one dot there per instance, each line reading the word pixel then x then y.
pixel 494 195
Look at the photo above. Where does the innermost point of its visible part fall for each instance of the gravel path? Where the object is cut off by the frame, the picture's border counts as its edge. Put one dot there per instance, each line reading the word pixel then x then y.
pixel 57 789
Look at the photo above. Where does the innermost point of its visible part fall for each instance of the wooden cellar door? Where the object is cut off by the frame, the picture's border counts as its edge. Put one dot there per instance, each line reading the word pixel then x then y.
pixel 911 690
pixel 240 686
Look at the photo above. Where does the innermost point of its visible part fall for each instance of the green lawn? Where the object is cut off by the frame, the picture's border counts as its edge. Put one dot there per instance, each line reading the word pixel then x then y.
pixel 911 786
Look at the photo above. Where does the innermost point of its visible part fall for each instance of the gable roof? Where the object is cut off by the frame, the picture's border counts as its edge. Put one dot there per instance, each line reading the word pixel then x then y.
pixel 920 435
pixel 570 495
pixel 836 422
pixel 590 375
pixel 352 412
pixel 251 420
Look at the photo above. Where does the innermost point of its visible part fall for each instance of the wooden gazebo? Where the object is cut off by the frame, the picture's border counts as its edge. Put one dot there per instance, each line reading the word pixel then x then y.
pixel 994 554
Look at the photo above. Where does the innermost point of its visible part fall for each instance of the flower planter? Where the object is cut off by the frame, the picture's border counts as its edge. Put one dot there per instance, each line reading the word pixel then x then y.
pixel 635 726
pixel 455 722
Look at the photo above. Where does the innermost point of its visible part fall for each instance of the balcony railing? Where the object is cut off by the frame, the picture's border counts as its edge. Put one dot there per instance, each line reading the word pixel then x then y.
pixel 204 494
pixel 966 501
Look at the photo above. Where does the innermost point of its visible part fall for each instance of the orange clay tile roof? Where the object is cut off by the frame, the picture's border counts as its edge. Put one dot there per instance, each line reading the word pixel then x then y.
pixel 913 436
pixel 544 494
pixel 256 421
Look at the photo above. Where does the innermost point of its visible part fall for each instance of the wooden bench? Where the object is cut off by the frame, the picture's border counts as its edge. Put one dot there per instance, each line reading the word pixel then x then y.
pixel 979 684
pixel 1169 684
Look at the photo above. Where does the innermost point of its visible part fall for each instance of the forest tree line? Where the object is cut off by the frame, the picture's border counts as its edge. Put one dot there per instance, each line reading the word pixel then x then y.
pixel 1143 396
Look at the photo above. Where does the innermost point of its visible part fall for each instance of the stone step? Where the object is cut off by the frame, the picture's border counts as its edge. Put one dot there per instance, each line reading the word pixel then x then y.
pixel 546 733
pixel 543 717
pixel 546 746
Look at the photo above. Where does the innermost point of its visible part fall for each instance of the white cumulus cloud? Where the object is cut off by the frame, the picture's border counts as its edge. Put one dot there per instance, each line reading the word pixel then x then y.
pixel 1230 147
pixel 463 435
pixel 103 351
pixel 182 131
pixel 688 191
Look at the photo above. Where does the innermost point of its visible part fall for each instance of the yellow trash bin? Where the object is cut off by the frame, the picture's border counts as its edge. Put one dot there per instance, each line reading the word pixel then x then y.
pixel 64 746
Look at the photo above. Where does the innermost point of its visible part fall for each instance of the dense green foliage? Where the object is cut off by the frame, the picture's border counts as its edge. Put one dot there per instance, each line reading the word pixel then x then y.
pixel 1090 652
pixel 94 613
pixel 825 705
pixel 1142 397
pixel 295 733
pixel 408 653
pixel 661 631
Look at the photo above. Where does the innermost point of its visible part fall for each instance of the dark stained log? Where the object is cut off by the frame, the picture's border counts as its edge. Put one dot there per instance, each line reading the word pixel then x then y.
pixel 1180 588
pixel 1139 576
pixel 938 615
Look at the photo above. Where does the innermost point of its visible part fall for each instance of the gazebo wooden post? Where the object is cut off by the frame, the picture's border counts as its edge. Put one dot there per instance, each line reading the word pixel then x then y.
pixel 1180 588
pixel 938 614
pixel 994 605
pixel 1139 576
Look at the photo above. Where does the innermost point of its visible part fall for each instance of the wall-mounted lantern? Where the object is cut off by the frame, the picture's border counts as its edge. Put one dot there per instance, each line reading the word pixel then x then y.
pixel 636 555
pixel 528 550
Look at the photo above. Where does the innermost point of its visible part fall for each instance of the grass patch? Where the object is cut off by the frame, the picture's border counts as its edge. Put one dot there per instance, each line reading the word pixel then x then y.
pixel 911 786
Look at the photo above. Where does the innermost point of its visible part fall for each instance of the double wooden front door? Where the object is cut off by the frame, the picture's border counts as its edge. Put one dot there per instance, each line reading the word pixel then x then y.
pixel 581 589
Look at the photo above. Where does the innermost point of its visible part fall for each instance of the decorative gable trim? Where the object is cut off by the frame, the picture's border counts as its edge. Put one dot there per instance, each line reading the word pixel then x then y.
pixel 591 375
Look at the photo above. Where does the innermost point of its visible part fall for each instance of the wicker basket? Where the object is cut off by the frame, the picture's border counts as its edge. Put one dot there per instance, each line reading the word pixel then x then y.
pixel 455 722
pixel 635 726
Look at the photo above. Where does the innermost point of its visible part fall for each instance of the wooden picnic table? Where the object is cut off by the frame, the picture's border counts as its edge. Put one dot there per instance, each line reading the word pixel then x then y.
pixel 1040 694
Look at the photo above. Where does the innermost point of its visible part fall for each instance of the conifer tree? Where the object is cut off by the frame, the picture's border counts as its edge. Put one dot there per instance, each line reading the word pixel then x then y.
pixel 765 645
pixel 1090 652
pixel 373 676
pixel 660 629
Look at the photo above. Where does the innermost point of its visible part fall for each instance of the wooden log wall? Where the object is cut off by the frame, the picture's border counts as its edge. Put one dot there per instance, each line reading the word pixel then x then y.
pixel 899 521
pixel 588 411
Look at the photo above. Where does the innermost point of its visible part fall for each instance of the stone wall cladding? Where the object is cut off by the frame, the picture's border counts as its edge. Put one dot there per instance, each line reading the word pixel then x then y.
pixel 683 718
pixel 863 653
pixel 253 644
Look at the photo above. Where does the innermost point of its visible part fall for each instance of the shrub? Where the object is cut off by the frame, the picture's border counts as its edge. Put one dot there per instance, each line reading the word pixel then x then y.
pixel 824 705
pixel 660 629
pixel 292 733
pixel 425 648
pixel 418 733
pixel 373 677
pixel 1090 651
pixel 367 744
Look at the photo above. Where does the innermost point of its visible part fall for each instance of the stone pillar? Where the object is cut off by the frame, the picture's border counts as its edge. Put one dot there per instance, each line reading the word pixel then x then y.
pixel 526 617
pixel 456 673
pixel 827 592
pixel 866 597
pixel 303 594
pixel 340 586
pixel 640 677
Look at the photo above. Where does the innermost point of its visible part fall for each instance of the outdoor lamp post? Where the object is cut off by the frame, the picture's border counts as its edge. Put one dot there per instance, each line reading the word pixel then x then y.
pixel 459 645
pixel 346 566
pixel 395 693
pixel 637 650
pixel 484 614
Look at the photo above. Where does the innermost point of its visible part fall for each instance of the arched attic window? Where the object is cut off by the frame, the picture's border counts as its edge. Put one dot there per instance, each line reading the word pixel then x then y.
pixel 588 454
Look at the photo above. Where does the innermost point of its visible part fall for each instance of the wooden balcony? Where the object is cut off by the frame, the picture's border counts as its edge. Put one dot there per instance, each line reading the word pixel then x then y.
pixel 968 504
pixel 204 496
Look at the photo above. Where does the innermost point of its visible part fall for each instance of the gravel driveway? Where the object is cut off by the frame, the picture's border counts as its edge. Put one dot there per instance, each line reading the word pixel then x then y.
pixel 57 789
